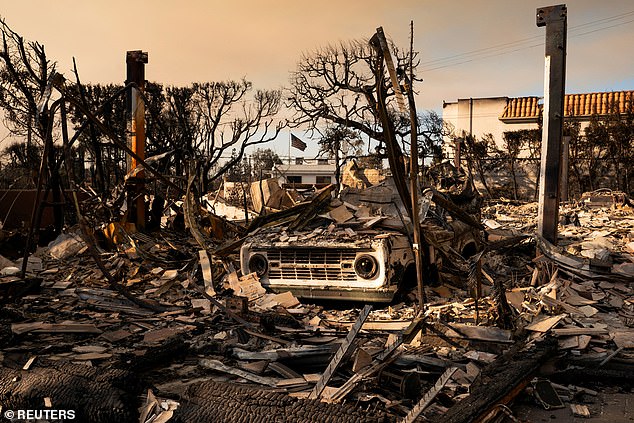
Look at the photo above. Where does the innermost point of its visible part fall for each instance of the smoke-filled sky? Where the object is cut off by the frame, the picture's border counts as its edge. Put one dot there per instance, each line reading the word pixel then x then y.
pixel 467 48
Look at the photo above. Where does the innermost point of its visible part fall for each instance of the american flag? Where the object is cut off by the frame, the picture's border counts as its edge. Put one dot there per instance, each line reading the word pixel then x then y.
pixel 297 143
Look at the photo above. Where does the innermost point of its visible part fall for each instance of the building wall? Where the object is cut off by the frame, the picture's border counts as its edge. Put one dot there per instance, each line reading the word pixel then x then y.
pixel 310 172
pixel 481 116
pixel 496 115
pixel 306 179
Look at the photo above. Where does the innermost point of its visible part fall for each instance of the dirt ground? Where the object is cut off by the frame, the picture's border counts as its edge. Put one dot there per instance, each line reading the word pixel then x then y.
pixel 609 406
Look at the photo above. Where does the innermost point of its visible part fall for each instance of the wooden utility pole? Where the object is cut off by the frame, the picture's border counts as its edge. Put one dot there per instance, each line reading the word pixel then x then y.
pixel 135 61
pixel 413 177
pixel 554 18
pixel 408 196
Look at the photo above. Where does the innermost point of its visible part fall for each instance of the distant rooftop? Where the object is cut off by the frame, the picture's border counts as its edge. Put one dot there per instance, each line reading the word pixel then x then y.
pixel 575 105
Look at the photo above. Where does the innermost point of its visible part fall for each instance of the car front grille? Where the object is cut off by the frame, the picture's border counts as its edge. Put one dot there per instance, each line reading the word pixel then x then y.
pixel 325 264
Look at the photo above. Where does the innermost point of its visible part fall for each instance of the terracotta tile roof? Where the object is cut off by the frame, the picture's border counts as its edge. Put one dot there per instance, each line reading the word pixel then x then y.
pixel 597 103
pixel 575 105
pixel 522 107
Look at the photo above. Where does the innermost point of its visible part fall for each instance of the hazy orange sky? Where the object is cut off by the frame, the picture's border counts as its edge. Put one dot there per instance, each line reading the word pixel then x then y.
pixel 198 40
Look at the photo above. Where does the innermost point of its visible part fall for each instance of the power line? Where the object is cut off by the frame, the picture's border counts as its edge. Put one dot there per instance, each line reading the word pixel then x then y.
pixel 488 52
pixel 601 29
pixel 481 58
pixel 511 44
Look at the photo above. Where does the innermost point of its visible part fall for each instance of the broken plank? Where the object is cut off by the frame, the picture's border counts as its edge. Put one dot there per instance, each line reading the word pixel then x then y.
pixel 380 325
pixel 373 221
pixel 219 366
pixel 91 356
pixel 256 367
pixel 40 327
pixel 579 331
pixel 544 325
pixel 552 302
pixel 83 349
pixel 481 333
pixel 429 396
pixel 579 410
pixel 205 266
pixel 293 352
pixel 341 352
pixel 312 377
pixel 29 362
pixel 292 383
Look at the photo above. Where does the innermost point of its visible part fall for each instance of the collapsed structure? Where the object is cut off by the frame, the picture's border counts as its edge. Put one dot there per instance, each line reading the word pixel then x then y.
pixel 196 319
pixel 210 318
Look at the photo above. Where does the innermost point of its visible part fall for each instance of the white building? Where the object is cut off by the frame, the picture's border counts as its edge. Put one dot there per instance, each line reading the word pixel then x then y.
pixel 480 116
pixel 305 172
pixel 496 115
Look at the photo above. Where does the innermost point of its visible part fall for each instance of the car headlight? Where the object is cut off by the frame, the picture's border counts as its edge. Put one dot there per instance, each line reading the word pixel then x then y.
pixel 366 266
pixel 258 264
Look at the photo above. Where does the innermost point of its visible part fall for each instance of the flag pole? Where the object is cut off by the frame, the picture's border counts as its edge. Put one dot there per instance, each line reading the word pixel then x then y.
pixel 290 137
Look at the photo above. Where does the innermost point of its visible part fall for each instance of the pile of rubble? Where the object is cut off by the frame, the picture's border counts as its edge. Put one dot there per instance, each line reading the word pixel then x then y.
pixel 185 335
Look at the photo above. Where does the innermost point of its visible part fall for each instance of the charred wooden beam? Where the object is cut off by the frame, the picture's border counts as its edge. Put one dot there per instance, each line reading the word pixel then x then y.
pixel 499 383
pixel 316 206
pixel 394 152
pixel 554 18
pixel 456 211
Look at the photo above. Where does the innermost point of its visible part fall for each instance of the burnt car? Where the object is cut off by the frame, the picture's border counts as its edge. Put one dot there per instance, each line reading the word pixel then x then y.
pixel 367 256
pixel 348 265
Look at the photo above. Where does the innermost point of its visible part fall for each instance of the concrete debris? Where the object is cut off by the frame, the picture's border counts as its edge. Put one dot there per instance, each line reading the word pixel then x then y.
pixel 66 245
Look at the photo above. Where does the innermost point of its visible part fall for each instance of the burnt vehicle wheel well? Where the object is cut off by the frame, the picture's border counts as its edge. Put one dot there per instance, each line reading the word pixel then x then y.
pixel 469 250
pixel 408 278
pixel 406 283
